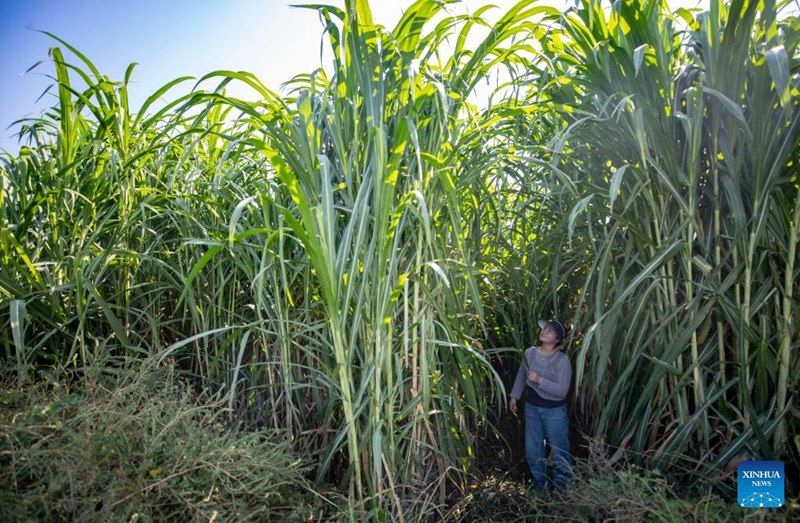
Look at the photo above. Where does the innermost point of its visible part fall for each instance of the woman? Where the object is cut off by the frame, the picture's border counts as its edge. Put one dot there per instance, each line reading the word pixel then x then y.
pixel 545 377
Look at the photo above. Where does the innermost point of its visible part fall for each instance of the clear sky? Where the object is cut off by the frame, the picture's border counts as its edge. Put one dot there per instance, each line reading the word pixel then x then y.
pixel 168 38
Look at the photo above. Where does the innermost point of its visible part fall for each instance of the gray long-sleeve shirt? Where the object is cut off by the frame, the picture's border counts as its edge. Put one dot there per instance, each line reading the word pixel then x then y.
pixel 555 371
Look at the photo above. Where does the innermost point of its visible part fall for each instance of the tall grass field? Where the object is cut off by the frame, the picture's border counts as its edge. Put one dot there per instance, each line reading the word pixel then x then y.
pixel 311 305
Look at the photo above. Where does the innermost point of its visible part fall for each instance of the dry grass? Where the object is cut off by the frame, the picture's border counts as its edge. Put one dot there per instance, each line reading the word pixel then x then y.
pixel 603 490
pixel 139 447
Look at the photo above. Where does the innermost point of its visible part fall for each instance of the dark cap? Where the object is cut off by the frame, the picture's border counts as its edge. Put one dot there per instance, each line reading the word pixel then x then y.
pixel 557 326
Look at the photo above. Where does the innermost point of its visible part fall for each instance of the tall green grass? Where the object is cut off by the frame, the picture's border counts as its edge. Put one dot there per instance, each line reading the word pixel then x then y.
pixel 346 263
pixel 305 254
pixel 672 250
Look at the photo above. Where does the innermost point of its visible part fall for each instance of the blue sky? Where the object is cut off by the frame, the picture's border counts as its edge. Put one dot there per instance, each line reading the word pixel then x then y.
pixel 168 38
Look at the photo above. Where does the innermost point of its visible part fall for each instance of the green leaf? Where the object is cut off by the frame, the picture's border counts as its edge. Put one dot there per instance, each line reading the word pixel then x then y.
pixel 576 210
pixel 638 57
pixel 616 183
pixel 778 62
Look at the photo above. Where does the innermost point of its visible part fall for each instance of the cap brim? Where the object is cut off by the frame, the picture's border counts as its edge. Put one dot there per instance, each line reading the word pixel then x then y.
pixel 543 324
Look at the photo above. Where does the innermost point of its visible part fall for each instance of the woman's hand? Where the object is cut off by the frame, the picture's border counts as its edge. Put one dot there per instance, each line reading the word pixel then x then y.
pixel 512 404
pixel 533 376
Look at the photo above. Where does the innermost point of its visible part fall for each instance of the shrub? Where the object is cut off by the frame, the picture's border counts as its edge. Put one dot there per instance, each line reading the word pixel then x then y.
pixel 139 447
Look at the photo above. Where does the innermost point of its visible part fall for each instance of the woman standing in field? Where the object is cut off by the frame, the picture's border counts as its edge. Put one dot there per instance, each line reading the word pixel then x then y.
pixel 545 375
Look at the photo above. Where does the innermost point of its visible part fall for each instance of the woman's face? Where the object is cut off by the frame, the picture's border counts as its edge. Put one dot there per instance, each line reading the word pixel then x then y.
pixel 548 335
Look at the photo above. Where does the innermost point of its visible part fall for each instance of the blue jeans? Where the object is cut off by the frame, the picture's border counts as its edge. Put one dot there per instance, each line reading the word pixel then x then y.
pixel 551 426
